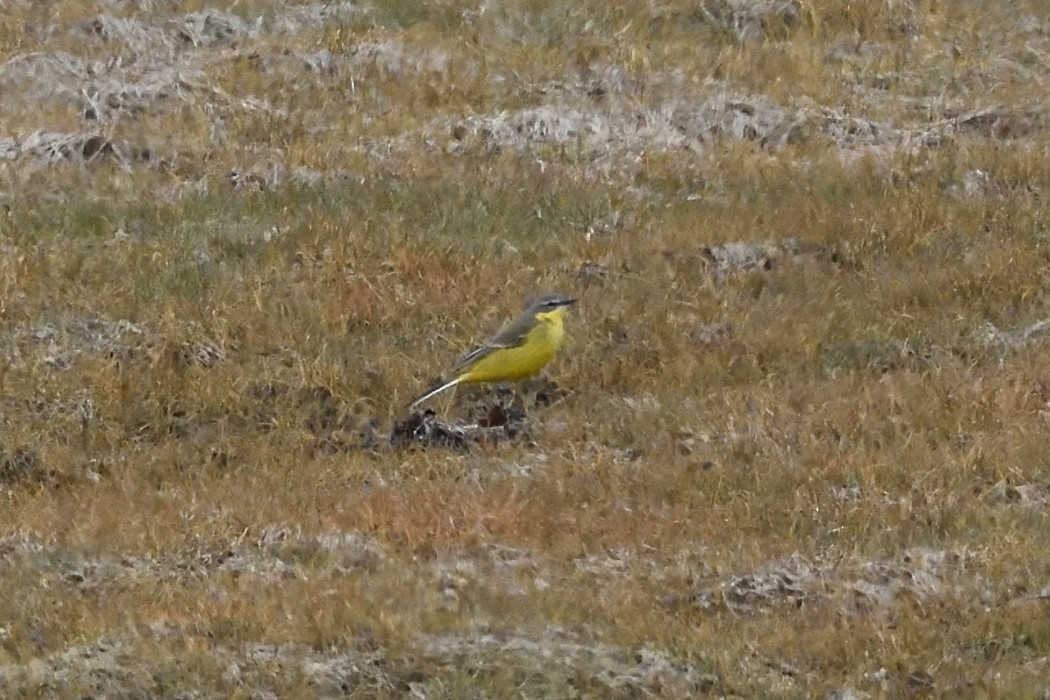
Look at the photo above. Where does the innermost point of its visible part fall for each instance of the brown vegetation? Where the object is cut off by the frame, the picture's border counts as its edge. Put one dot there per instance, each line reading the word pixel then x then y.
pixel 795 446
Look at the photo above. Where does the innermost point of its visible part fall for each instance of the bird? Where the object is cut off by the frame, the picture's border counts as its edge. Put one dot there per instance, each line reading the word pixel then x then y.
pixel 521 349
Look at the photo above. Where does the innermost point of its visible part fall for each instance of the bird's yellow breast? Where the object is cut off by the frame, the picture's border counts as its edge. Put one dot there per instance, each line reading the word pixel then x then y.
pixel 538 349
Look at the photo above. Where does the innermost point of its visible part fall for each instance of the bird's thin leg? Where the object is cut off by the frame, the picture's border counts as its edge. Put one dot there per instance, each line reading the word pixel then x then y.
pixel 502 390
pixel 512 400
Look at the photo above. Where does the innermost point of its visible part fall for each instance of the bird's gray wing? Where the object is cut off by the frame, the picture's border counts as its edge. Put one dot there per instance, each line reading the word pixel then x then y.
pixel 512 336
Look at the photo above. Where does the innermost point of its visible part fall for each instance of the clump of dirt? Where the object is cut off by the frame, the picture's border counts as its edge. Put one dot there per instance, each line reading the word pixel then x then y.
pixel 556 661
pixel 22 466
pixel 59 342
pixel 1006 340
pixel 508 418
pixel 1033 496
pixel 790 583
pixel 427 429
pixel 858 588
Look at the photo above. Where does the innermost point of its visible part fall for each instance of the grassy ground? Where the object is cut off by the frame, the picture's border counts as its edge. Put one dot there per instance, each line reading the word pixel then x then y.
pixel 799 442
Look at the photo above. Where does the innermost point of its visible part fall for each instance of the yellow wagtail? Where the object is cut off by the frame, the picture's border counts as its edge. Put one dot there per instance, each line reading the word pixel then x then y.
pixel 520 350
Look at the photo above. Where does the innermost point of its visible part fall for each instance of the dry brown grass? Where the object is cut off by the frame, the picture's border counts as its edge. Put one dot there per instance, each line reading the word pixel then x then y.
pixel 803 446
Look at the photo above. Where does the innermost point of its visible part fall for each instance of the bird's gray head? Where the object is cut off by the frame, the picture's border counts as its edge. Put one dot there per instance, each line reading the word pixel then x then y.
pixel 549 302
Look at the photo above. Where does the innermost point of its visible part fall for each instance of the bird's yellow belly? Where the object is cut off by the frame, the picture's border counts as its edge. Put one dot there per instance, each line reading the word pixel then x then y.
pixel 512 364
